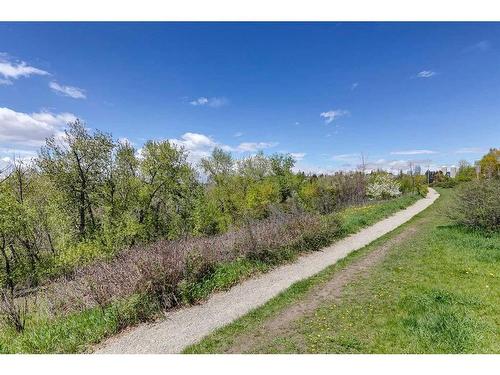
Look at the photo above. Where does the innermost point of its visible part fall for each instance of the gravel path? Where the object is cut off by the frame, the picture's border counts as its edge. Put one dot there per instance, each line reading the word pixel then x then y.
pixel 188 325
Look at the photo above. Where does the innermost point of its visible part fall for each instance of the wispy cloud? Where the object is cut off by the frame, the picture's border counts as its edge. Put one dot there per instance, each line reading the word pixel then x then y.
pixel 5 82
pixel 413 152
pixel 11 70
pixel 298 156
pixel 71 91
pixel 214 102
pixel 254 146
pixel 199 101
pixel 346 157
pixel 426 74
pixel 238 134
pixel 481 46
pixel 31 129
pixel 354 86
pixel 333 114
pixel 471 150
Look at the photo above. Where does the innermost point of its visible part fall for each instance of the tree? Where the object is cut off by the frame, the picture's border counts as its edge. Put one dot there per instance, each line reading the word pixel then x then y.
pixel 223 196
pixel 218 166
pixel 281 167
pixel 168 190
pixel 490 164
pixel 466 172
pixel 75 163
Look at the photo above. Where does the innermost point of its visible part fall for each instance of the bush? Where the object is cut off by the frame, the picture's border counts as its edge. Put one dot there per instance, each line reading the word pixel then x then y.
pixel 383 186
pixel 446 182
pixel 422 190
pixel 477 205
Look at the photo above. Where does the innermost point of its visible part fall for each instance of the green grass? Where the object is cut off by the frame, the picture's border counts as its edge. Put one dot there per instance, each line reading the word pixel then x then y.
pixel 355 218
pixel 436 292
pixel 76 332
pixel 79 331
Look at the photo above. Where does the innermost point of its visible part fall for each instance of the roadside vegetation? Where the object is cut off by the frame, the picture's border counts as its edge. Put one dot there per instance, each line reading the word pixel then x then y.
pixel 96 235
pixel 436 291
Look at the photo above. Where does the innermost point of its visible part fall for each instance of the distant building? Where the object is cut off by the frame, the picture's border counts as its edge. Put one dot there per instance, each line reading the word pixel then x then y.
pixel 453 171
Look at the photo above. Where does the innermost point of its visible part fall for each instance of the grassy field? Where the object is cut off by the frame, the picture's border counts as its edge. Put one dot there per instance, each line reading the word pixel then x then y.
pixel 437 291
pixel 78 332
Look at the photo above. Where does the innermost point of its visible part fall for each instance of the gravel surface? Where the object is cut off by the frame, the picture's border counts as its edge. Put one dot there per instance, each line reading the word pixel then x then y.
pixel 186 326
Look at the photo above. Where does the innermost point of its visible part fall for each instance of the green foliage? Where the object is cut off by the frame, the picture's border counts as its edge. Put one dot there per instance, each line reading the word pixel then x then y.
pixel 436 291
pixel 77 332
pixel 261 196
pixel 490 164
pixel 445 182
pixel 465 172
pixel 477 205
pixel 422 190
pixel 413 184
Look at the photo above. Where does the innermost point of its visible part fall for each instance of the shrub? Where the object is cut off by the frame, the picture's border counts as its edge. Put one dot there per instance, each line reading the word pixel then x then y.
pixel 13 311
pixel 164 268
pixel 477 205
pixel 446 182
pixel 383 186
pixel 422 190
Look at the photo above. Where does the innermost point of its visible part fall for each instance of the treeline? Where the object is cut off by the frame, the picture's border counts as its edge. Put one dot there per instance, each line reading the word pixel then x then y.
pixel 487 168
pixel 87 196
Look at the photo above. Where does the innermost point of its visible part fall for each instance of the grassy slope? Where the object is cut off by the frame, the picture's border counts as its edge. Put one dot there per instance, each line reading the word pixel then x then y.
pixel 437 292
pixel 78 332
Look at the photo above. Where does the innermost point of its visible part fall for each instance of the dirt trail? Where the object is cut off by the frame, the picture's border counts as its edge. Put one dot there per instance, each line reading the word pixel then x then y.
pixel 325 292
pixel 187 326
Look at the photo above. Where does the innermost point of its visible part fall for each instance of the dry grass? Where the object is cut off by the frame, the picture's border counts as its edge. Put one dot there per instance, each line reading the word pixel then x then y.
pixel 158 268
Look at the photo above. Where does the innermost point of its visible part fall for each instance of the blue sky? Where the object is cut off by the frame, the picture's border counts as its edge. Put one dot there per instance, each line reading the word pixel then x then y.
pixel 397 92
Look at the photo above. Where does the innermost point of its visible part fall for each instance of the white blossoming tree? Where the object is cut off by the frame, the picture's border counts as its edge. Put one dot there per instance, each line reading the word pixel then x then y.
pixel 383 186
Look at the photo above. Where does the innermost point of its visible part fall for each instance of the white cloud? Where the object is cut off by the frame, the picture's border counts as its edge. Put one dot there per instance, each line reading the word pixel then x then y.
pixel 200 146
pixel 13 70
pixel 471 150
pixel 211 102
pixel 71 91
pixel 331 115
pixel 298 156
pixel 5 82
pixel 199 101
pixel 312 169
pixel 346 157
pixel 426 74
pixel 414 152
pixel 14 152
pixel 238 134
pixel 354 86
pixel 254 146
pixel 482 46
pixel 30 129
